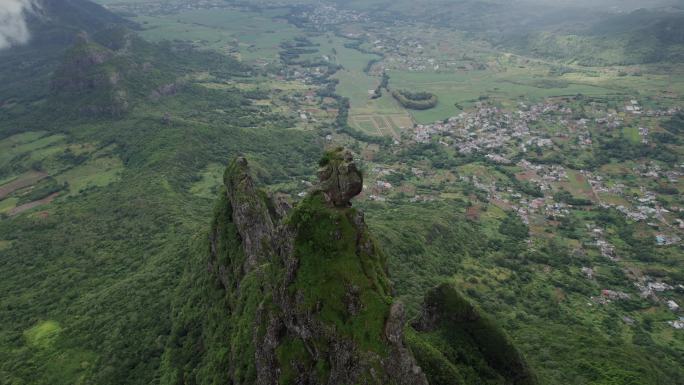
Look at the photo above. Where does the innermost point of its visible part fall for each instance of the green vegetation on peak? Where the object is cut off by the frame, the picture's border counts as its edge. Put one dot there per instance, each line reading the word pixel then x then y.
pixel 305 297
pixel 544 186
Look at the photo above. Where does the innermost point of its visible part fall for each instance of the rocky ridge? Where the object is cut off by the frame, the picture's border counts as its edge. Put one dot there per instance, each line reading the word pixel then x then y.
pixel 302 296
pixel 92 73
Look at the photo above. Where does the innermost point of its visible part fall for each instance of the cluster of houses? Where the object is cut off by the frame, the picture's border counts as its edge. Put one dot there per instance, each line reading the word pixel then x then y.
pixel 494 132
pixel 606 249
pixel 323 15
pixel 633 107
pixel 647 288
pixel 415 51
pixel 489 129
pixel 165 7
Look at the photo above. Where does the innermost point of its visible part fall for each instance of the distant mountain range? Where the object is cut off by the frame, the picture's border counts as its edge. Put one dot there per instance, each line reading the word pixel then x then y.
pixel 586 33
pixel 641 36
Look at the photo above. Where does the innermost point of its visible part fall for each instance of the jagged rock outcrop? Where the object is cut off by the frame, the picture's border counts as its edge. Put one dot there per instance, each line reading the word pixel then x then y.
pixel 78 70
pixel 164 90
pixel 302 297
pixel 339 179
pixel 250 215
pixel 90 72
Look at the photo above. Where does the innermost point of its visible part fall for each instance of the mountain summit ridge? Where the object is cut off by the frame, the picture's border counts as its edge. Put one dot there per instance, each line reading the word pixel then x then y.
pixel 302 296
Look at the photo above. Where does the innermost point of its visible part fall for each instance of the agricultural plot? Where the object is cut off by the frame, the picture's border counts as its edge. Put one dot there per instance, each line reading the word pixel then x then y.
pixel 251 35
pixel 668 87
pixel 97 172
pixel 34 143
pixel 631 134
pixel 42 156
pixel 578 186
pixel 31 205
pixel 464 89
pixel 25 180
pixel 382 125
pixel 8 204
pixel 4 245
pixel 381 116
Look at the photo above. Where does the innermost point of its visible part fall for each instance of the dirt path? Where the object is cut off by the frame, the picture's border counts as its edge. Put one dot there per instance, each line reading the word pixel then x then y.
pixel 23 181
pixel 28 206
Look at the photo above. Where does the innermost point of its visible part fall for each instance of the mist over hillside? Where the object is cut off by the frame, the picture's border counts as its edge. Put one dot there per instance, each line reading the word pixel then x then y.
pixel 13 28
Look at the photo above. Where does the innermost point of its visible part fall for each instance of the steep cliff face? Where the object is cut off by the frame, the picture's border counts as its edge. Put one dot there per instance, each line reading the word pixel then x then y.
pixel 54 27
pixel 91 73
pixel 301 296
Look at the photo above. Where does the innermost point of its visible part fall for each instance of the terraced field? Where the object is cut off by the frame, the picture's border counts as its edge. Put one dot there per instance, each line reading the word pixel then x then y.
pixel 37 168
pixel 251 36
pixel 382 124
pixel 464 89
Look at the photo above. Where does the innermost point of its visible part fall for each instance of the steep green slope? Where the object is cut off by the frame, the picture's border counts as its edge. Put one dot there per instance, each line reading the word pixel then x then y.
pixel 454 343
pixel 537 294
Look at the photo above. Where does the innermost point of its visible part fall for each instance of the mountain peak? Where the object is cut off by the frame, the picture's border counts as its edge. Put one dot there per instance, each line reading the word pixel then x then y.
pixel 339 178
pixel 302 296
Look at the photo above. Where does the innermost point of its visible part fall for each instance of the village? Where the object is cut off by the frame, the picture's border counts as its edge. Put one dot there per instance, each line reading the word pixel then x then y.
pixel 156 8
pixel 506 137
pixel 514 140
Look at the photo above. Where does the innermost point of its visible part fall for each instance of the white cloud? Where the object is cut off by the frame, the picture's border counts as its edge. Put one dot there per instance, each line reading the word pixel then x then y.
pixel 13 29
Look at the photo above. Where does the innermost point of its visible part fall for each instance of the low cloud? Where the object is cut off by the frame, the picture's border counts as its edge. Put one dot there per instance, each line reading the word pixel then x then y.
pixel 13 29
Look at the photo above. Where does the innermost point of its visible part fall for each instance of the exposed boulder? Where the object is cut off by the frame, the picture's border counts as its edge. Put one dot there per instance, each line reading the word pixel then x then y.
pixel 339 178
pixel 91 73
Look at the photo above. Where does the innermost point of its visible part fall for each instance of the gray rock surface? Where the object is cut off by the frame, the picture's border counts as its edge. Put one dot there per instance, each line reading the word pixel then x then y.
pixel 339 178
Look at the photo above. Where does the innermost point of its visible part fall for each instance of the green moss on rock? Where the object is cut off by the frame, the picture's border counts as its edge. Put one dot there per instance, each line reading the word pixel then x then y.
pixel 305 299
pixel 345 285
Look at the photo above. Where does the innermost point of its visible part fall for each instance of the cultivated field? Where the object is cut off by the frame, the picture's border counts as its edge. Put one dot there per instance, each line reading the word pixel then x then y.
pixel 251 36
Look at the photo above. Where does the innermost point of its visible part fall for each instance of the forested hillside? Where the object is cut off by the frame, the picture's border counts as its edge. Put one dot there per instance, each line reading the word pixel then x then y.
pixel 521 193
pixel 87 281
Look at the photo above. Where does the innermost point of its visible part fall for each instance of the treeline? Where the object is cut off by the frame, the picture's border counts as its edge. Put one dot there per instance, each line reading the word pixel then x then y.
pixel 622 149
pixel 357 45
pixel 415 100
pixel 292 50
pixel 676 124
pixel 566 197
pixel 526 187
pixel 384 83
